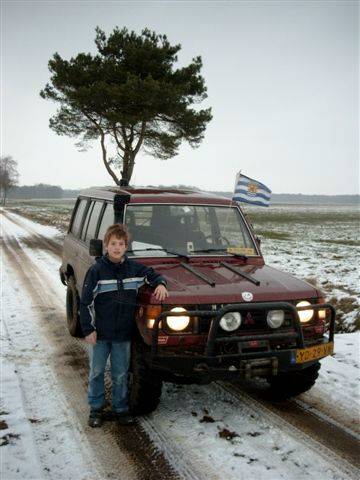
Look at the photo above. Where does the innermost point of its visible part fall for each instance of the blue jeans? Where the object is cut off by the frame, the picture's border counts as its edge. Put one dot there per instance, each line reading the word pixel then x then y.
pixel 119 360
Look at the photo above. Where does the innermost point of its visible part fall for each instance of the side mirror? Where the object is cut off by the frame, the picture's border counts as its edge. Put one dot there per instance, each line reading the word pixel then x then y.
pixel 96 247
pixel 258 240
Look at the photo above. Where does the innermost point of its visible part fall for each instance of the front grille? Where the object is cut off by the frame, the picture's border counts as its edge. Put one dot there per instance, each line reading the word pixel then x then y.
pixel 253 321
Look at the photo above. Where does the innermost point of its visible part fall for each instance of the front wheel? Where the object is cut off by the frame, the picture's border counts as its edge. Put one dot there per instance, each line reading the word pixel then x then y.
pixel 144 385
pixel 72 309
pixel 292 384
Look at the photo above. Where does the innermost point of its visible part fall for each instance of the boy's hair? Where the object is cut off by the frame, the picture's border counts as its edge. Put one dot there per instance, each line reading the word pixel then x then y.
pixel 119 231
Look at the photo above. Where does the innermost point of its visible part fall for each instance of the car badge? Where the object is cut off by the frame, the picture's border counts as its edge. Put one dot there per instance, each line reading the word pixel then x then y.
pixel 247 296
pixel 249 319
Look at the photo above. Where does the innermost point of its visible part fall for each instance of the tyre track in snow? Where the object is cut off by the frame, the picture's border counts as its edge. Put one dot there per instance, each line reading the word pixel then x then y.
pixel 73 351
pixel 34 239
pixel 332 442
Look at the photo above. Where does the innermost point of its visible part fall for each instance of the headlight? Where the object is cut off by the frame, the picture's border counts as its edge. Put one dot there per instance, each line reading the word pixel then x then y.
pixel 230 321
pixel 275 318
pixel 180 322
pixel 305 315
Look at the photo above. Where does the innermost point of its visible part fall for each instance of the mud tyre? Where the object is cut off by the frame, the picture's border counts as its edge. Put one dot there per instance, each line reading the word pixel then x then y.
pixel 72 309
pixel 290 385
pixel 144 385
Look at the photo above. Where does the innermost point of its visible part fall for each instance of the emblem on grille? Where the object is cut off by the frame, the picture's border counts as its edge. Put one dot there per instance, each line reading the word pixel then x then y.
pixel 249 319
pixel 247 296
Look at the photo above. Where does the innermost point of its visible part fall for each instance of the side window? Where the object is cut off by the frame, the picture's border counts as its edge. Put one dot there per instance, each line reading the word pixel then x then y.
pixel 91 230
pixel 107 220
pixel 76 225
pixel 86 223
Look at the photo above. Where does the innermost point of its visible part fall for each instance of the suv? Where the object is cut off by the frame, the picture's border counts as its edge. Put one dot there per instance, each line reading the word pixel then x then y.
pixel 228 316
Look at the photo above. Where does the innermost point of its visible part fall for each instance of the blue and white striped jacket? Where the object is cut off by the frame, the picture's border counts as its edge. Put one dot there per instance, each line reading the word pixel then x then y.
pixel 108 299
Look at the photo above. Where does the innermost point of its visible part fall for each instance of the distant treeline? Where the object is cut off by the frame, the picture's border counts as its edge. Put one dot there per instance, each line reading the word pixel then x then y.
pixel 299 198
pixel 43 190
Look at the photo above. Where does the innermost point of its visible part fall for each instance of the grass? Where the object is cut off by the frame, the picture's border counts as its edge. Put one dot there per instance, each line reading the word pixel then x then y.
pixel 352 243
pixel 303 216
pixel 273 235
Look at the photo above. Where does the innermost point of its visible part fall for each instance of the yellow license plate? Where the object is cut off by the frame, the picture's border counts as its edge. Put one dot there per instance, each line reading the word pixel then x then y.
pixel 312 353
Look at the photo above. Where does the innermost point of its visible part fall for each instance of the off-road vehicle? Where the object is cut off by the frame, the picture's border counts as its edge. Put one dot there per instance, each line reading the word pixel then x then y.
pixel 229 316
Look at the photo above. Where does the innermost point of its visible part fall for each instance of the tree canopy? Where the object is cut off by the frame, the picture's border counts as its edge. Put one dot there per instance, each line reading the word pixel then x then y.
pixel 8 175
pixel 130 96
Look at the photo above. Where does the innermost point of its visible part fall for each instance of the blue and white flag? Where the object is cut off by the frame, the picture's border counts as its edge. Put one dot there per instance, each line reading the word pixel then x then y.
pixel 248 190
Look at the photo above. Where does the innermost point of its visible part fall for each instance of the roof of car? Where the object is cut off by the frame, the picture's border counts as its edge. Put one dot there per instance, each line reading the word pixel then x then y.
pixel 156 195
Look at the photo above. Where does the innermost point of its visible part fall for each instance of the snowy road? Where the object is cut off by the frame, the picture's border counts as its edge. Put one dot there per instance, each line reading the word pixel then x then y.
pixel 198 432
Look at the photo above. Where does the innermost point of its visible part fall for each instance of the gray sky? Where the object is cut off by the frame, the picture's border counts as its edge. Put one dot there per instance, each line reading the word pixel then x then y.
pixel 282 80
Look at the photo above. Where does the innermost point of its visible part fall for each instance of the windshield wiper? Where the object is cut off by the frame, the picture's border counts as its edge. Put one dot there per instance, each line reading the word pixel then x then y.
pixel 161 249
pixel 208 250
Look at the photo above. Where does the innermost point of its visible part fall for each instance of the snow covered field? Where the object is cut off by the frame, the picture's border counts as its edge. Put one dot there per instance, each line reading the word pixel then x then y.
pixel 203 432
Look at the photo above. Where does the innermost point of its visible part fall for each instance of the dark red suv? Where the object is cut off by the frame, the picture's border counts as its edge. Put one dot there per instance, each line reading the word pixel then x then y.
pixel 228 316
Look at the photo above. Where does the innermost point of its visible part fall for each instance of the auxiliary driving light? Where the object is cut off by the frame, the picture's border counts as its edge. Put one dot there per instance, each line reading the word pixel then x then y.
pixel 180 322
pixel 305 315
pixel 275 318
pixel 230 321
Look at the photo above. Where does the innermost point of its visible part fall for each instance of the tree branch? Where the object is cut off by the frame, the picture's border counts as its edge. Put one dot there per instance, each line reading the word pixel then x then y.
pixel 141 138
pixel 103 148
pixel 118 143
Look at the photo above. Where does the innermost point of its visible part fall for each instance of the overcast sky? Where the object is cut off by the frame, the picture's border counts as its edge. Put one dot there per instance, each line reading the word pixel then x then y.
pixel 282 79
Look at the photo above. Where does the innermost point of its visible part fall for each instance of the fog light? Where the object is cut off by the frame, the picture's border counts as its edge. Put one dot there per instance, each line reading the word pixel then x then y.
pixel 322 314
pixel 230 321
pixel 275 318
pixel 180 322
pixel 305 315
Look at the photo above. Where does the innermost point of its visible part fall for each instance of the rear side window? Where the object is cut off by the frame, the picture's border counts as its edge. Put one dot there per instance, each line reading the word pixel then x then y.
pixel 88 213
pixel 107 220
pixel 91 229
pixel 76 225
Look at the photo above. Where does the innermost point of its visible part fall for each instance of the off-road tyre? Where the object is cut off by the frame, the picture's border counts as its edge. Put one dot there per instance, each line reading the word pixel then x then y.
pixel 292 384
pixel 72 309
pixel 144 385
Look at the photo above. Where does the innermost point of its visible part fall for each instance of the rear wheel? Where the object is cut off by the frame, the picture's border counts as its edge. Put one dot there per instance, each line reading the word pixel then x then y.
pixel 144 385
pixel 72 309
pixel 292 384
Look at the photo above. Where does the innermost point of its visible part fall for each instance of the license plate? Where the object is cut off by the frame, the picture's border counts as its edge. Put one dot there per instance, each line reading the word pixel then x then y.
pixel 312 353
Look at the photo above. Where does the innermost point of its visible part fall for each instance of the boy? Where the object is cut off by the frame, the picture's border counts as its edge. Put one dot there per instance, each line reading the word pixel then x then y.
pixel 107 310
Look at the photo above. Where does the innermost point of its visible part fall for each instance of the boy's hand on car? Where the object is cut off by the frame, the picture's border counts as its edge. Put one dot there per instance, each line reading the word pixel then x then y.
pixel 91 338
pixel 161 293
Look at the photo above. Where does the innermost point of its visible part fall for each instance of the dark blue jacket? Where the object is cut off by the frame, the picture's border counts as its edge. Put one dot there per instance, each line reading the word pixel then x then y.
pixel 108 299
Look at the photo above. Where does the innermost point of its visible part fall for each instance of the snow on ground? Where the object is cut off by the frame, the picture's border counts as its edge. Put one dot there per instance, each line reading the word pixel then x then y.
pixel 40 438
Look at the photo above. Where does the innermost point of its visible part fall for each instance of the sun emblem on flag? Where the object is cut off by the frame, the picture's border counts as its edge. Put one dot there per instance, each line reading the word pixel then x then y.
pixel 253 188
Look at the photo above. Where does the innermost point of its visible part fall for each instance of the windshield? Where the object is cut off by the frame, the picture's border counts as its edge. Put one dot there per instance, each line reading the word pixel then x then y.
pixel 187 229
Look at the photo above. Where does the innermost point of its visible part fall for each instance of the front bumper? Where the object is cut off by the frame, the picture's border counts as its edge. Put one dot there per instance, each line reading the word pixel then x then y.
pixel 211 365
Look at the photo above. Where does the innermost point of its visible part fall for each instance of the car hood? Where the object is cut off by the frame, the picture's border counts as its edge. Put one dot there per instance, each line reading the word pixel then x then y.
pixel 185 287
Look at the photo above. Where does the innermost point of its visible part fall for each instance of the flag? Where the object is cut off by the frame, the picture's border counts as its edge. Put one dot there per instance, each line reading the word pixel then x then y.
pixel 251 191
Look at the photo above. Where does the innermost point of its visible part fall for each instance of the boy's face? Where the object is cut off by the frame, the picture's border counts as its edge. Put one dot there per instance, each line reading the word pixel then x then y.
pixel 116 248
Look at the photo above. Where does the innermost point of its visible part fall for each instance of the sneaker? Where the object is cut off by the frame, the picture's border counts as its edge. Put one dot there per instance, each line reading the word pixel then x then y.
pixel 124 418
pixel 95 418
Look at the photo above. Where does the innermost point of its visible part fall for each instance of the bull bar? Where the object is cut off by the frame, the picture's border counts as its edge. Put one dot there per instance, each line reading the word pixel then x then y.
pixel 264 362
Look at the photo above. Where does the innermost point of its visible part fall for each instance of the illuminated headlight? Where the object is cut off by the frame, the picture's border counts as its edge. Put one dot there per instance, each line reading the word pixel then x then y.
pixel 322 314
pixel 180 322
pixel 305 315
pixel 275 318
pixel 230 321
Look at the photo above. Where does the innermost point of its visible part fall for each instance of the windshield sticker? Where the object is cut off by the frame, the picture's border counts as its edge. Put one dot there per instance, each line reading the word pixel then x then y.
pixel 247 296
pixel 190 247
pixel 241 250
